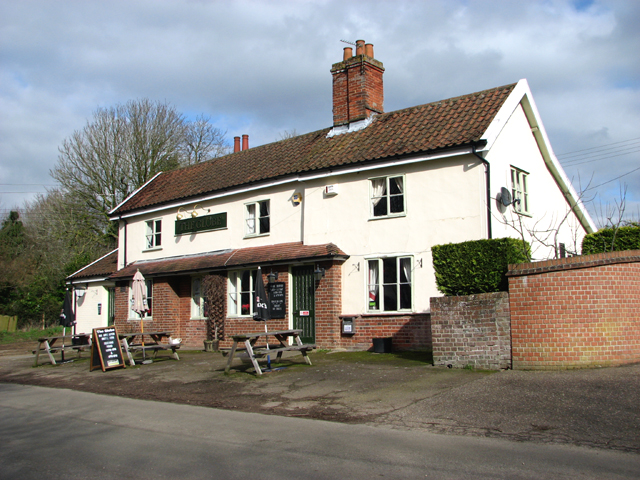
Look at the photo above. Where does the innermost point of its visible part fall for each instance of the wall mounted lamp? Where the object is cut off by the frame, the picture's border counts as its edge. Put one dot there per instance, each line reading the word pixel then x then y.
pixel 318 273
pixel 179 215
pixel 272 277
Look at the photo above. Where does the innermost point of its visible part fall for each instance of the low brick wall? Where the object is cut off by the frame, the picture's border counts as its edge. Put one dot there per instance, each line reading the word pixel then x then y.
pixel 576 312
pixel 472 330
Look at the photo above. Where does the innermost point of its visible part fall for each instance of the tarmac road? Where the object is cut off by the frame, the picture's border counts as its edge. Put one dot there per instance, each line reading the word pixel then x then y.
pixel 58 433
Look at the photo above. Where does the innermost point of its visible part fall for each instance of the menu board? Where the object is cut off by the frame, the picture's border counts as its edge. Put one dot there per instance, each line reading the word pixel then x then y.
pixel 277 299
pixel 105 349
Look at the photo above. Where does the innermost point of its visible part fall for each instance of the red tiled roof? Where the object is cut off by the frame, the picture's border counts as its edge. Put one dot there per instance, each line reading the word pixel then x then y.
pixel 225 259
pixel 445 124
pixel 103 267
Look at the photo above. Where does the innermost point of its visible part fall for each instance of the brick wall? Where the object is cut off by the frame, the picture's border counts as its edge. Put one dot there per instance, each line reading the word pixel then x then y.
pixel 471 330
pixel 576 312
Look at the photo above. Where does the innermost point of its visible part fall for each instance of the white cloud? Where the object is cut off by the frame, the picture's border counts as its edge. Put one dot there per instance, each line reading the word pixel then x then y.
pixel 260 67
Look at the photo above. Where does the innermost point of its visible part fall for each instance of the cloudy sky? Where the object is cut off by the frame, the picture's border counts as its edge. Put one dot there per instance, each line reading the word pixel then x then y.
pixel 262 67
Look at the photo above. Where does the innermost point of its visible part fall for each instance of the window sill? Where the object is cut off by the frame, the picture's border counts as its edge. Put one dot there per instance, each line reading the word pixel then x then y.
pixel 254 235
pixel 389 314
pixel 398 215
pixel 153 249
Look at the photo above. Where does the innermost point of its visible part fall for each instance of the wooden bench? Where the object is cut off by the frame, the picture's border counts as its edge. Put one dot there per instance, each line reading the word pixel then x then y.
pixel 254 352
pixel 153 345
pixel 48 345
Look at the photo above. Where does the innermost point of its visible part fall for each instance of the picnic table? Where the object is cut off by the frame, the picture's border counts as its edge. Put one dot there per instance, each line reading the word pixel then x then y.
pixel 255 352
pixel 78 342
pixel 136 342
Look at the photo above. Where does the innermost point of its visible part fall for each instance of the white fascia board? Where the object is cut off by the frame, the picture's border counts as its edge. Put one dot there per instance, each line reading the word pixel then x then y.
pixel 90 280
pixel 134 193
pixel 303 178
pixel 521 95
pixel 95 261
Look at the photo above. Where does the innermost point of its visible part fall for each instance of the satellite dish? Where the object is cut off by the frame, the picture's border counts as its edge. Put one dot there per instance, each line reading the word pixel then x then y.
pixel 505 197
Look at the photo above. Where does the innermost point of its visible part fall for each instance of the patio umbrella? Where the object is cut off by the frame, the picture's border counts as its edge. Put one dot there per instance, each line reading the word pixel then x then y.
pixel 67 317
pixel 140 305
pixel 261 310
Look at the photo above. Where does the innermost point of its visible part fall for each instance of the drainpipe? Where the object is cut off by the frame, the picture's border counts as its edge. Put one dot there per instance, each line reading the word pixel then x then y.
pixel 487 172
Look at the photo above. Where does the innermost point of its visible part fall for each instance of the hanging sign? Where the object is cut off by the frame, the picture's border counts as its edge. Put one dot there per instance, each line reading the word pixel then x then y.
pixel 277 299
pixel 105 349
pixel 216 221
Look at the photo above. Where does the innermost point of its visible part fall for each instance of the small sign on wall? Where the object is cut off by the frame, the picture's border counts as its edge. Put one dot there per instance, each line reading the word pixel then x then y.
pixel 304 313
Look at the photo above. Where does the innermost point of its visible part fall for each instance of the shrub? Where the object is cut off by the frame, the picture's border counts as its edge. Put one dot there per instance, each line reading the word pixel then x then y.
pixel 611 239
pixel 477 266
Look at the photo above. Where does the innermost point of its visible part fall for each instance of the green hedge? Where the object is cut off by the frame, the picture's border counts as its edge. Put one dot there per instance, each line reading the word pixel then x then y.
pixel 626 238
pixel 477 266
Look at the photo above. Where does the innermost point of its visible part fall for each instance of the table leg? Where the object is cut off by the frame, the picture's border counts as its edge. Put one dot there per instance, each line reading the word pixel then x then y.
pixel 303 352
pixel 126 349
pixel 48 349
pixel 35 364
pixel 252 357
pixel 233 351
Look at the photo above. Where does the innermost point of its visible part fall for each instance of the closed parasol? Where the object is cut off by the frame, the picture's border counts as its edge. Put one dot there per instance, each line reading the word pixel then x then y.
pixel 140 304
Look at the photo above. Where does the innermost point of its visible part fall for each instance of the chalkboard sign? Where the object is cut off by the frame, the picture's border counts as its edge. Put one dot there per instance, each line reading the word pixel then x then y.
pixel 277 299
pixel 105 349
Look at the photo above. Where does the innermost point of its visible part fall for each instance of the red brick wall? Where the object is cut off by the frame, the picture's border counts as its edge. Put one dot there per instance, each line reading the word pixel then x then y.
pixel 576 312
pixel 472 330
pixel 357 89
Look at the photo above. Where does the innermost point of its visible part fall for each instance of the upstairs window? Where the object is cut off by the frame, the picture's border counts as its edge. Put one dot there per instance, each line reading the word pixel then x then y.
pixel 389 284
pixel 519 181
pixel 387 196
pixel 154 234
pixel 241 288
pixel 257 218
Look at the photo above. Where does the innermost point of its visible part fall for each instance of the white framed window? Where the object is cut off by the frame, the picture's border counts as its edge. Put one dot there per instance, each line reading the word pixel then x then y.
pixel 257 218
pixel 154 234
pixel 241 289
pixel 389 284
pixel 197 298
pixel 148 314
pixel 387 196
pixel 519 190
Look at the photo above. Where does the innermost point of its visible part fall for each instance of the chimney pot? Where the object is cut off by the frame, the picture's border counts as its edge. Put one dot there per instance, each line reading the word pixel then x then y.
pixel 368 49
pixel 236 144
pixel 359 47
pixel 348 53
pixel 245 142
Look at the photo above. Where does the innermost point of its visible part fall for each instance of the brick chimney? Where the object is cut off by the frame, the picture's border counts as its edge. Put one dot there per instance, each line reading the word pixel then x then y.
pixel 357 85
pixel 236 143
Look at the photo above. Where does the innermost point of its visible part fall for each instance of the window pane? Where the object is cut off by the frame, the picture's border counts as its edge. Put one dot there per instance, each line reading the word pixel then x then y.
pixel 374 289
pixel 405 296
pixel 158 226
pixel 251 219
pixel 397 204
pixel 264 225
pixel 395 185
pixel 233 293
pixel 246 303
pixel 390 298
pixel 380 209
pixel 390 271
pixel 245 285
pixel 264 209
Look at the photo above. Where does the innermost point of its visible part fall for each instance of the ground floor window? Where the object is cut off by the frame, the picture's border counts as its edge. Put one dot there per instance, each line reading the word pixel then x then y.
pixel 389 284
pixel 197 298
pixel 241 288
pixel 148 314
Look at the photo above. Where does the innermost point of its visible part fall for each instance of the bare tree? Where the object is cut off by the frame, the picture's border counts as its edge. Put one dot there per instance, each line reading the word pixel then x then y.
pixel 203 141
pixel 287 134
pixel 123 147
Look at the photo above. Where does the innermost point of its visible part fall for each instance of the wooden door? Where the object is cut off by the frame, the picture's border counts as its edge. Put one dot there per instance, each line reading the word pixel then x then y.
pixel 303 304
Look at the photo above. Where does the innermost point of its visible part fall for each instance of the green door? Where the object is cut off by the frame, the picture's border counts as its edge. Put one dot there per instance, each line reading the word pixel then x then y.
pixel 111 306
pixel 304 309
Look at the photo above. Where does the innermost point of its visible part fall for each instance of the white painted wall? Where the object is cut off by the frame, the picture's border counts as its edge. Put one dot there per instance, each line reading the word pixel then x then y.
pixel 516 146
pixel 87 317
